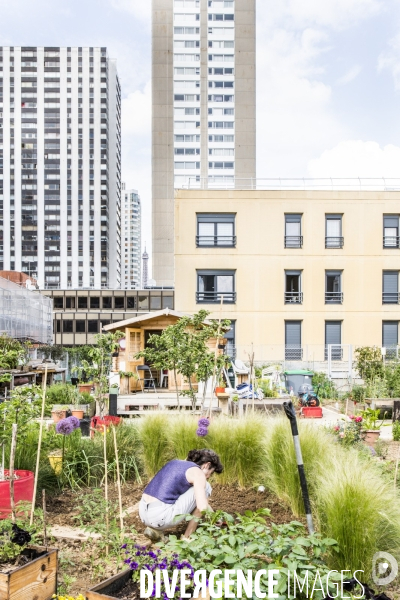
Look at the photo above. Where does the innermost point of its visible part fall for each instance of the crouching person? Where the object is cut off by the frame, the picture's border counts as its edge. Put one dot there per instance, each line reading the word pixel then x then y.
pixel 180 488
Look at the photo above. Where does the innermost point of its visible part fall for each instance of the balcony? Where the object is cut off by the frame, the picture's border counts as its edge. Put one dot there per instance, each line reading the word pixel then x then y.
pixel 390 298
pixel 215 297
pixel 391 241
pixel 293 297
pixel 334 242
pixel 333 297
pixel 293 241
pixel 212 241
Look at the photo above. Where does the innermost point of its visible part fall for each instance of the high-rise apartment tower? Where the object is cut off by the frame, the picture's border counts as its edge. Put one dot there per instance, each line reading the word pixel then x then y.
pixel 204 106
pixel 131 240
pixel 60 136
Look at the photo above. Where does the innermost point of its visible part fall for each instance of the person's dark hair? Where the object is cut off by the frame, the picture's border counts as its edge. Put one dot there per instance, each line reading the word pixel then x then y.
pixel 201 457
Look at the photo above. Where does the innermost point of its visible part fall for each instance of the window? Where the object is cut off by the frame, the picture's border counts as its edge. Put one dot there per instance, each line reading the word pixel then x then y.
pixel 131 302
pixel 107 302
pixel 390 338
pixel 70 302
pixel 390 287
pixel 333 287
pixel 293 349
pixel 391 231
pixel 119 302
pixel 155 302
pixel 293 293
pixel 213 285
pixel 82 302
pixel 67 326
pixel 94 302
pixel 215 230
pixel 168 301
pixel 93 326
pixel 333 340
pixel 333 231
pixel 230 348
pixel 58 302
pixel 80 326
pixel 293 237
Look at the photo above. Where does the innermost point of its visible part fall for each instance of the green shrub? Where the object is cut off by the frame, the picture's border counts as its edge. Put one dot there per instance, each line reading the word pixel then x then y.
pixel 264 384
pixel 62 393
pixel 281 473
pixel 240 446
pixel 327 388
pixel 359 510
pixel 182 436
pixel 155 447
pixel 358 393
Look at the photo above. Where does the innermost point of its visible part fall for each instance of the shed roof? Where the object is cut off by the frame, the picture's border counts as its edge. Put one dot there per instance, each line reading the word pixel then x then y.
pixel 166 312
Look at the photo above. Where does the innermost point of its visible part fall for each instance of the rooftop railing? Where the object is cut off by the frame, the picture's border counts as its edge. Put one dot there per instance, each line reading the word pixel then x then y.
pixel 302 183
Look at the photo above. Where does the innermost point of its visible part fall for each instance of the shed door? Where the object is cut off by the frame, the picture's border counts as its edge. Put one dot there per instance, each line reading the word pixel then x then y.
pixel 134 344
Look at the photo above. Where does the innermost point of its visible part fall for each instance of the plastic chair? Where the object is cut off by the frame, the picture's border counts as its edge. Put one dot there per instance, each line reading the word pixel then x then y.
pixel 146 379
pixel 163 377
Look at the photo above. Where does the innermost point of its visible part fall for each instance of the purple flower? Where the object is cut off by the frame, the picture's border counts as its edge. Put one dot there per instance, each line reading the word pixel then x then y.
pixel 204 422
pixel 67 426
pixel 202 431
pixel 74 421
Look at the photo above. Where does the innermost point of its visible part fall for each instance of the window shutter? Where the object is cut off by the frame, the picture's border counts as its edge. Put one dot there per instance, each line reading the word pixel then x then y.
pixel 333 227
pixel 390 282
pixel 390 334
pixel 333 332
pixel 391 222
pixel 293 333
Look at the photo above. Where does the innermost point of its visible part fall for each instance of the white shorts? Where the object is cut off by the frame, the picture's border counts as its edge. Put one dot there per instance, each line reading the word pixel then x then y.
pixel 160 515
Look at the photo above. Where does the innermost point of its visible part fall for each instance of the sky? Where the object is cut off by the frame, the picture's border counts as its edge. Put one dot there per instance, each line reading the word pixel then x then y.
pixel 328 81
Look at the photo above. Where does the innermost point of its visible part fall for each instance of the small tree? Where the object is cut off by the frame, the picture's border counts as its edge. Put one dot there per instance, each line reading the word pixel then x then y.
pixel 98 364
pixel 182 348
pixel 369 363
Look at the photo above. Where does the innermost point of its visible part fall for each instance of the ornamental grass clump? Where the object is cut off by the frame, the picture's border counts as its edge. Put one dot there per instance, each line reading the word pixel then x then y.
pixel 153 431
pixel 182 436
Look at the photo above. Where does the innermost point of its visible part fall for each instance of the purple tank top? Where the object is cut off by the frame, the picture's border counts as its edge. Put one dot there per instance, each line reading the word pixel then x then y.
pixel 170 482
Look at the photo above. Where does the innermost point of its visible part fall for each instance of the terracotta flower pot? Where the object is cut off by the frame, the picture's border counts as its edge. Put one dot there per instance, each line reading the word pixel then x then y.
pixel 220 390
pixel 371 436
pixel 77 413
pixel 58 415
pixel 85 387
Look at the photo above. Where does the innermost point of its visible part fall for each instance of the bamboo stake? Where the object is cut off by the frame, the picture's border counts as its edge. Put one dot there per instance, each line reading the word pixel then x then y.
pixel 397 468
pixel 44 518
pixel 213 385
pixel 44 385
pixel 11 472
pixel 106 484
pixel 121 517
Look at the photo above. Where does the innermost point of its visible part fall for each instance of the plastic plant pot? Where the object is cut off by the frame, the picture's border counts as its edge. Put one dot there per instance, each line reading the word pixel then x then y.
pixel 312 412
pixel 58 415
pixel 55 460
pixel 23 491
pixel 77 413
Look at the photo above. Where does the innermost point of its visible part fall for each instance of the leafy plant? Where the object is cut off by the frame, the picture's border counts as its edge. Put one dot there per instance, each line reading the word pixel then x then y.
pixel 327 388
pixel 98 364
pixel 264 384
pixel 12 352
pixel 63 393
pixel 369 363
pixel 54 352
pixel 246 542
pixel 348 433
pixel 377 388
pixel 396 431
pixel 358 393
pixel 371 419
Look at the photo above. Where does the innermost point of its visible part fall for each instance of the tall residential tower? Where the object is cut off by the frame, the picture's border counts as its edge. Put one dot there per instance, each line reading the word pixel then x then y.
pixel 204 106
pixel 131 240
pixel 60 150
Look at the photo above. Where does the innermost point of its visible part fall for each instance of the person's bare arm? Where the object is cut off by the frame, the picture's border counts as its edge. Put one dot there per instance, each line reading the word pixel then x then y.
pixel 197 478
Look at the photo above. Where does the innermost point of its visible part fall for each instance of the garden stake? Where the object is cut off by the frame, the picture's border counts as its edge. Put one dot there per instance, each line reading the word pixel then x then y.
pixel 44 384
pixel 44 519
pixel 11 473
pixel 121 518
pixel 291 415
pixel 215 359
pixel 106 482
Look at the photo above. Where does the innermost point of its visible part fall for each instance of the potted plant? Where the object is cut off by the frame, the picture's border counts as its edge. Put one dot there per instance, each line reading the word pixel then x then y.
pixel 37 577
pixel 371 426
pixel 76 401
pixel 85 387
pixel 113 389
pixel 59 414
pixel 220 388
pixel 125 377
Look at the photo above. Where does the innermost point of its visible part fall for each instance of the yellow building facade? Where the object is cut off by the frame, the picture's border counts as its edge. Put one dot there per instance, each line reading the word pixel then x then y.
pixel 299 270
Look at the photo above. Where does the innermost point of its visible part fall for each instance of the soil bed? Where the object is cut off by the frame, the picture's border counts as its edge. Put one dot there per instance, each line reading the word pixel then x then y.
pixel 129 592
pixel 78 566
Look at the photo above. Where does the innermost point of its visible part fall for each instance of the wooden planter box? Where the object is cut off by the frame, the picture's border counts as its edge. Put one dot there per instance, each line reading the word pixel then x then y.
pixel 37 580
pixel 106 589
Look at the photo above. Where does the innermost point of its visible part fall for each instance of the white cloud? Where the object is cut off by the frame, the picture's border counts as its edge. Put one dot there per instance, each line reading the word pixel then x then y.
pixel 355 158
pixel 140 10
pixel 332 13
pixel 391 60
pixel 351 74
